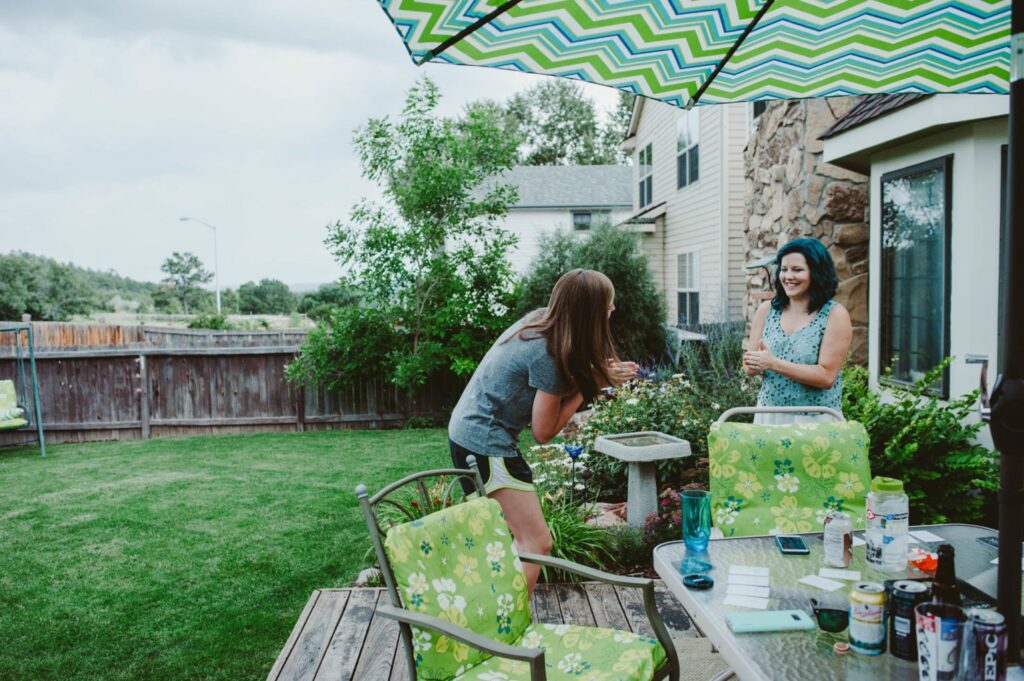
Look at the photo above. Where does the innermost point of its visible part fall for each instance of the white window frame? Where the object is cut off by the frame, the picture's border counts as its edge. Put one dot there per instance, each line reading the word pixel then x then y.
pixel 645 168
pixel 689 287
pixel 687 148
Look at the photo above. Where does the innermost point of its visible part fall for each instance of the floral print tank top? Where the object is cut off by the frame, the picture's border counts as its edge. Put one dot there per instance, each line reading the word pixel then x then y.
pixel 799 347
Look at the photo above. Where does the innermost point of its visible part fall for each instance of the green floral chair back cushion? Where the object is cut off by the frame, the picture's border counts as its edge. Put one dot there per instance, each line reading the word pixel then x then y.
pixel 9 409
pixel 459 564
pixel 783 479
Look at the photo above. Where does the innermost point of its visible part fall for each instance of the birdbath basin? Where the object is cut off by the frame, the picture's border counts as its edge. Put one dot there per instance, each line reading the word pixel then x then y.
pixel 640 451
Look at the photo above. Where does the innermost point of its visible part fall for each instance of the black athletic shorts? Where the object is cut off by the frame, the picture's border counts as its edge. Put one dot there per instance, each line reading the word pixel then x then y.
pixel 498 472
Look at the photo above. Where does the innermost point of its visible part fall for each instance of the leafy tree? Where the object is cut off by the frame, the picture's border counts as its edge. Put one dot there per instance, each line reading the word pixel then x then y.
pixel 557 124
pixel 319 303
pixel 430 262
pixel 638 323
pixel 229 301
pixel 270 296
pixel 185 272
pixel 44 288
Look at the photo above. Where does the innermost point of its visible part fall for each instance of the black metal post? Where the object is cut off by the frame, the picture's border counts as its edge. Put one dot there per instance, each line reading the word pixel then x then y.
pixel 1007 421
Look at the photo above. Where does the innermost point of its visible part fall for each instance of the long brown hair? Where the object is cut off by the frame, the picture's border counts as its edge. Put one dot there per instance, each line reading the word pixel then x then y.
pixel 576 327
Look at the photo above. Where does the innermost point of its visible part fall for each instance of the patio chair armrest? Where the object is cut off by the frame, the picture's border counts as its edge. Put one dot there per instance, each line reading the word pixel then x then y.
pixel 584 571
pixel 647 585
pixel 532 656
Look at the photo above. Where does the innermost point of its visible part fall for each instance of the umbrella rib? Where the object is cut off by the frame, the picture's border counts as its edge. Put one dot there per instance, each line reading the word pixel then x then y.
pixel 732 50
pixel 469 29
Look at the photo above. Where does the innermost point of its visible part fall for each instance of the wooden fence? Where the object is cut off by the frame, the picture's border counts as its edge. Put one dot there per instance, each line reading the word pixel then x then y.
pixel 174 382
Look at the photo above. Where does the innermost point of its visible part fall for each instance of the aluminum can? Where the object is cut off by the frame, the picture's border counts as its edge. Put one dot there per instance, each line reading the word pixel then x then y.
pixel 867 618
pixel 838 539
pixel 984 654
pixel 905 596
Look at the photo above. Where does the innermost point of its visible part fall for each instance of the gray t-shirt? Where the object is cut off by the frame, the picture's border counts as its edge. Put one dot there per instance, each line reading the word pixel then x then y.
pixel 498 402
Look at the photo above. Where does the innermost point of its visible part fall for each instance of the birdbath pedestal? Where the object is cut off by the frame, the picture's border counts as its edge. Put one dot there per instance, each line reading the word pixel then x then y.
pixel 641 451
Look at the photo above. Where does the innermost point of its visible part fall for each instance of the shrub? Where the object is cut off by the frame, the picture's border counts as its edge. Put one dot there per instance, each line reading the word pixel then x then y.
pixel 926 443
pixel 683 404
pixel 217 322
pixel 638 324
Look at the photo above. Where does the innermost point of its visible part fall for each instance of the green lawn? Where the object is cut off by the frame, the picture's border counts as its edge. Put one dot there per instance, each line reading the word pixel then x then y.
pixel 184 558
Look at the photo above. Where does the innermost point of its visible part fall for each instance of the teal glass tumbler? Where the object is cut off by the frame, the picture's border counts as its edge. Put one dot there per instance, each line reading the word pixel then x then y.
pixel 696 519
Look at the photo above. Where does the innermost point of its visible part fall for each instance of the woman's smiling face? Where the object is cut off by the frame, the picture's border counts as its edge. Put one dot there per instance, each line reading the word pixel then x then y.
pixel 795 275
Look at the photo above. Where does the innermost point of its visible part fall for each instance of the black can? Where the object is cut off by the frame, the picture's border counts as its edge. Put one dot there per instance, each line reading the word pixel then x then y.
pixel 906 595
pixel 984 654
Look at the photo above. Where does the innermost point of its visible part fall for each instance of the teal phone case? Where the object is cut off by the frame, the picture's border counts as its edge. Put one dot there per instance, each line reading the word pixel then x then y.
pixel 769 620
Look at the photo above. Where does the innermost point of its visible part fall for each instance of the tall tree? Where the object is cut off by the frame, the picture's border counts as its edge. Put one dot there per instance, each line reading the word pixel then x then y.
pixel 185 273
pixel 430 261
pixel 270 296
pixel 555 123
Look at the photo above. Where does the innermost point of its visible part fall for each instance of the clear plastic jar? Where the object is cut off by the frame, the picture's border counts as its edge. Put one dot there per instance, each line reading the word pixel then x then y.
pixel 886 525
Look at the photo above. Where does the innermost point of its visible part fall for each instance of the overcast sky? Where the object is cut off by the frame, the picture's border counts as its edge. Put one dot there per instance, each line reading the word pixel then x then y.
pixel 117 117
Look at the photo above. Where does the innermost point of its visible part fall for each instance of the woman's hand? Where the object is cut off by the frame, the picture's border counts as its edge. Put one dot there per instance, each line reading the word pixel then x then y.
pixel 620 372
pixel 758 361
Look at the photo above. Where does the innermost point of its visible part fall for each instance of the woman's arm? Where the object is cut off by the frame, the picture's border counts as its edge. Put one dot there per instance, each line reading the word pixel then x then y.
pixel 756 331
pixel 551 413
pixel 831 355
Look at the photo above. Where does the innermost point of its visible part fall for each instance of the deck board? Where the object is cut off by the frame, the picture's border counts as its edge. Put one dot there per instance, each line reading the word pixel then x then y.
pixel 339 635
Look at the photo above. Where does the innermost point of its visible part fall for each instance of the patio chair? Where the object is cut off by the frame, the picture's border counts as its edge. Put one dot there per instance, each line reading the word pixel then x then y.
pixel 768 479
pixel 12 415
pixel 458 592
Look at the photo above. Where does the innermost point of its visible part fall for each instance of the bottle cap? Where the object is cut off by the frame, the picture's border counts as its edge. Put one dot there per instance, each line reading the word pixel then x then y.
pixel 883 484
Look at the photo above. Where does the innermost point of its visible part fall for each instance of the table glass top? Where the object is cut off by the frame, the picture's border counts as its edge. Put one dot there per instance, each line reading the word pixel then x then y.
pixel 808 655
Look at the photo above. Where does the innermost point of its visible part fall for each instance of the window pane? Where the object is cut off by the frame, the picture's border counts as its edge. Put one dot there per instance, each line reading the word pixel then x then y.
pixel 914 286
pixel 683 270
pixel 649 187
pixel 581 220
pixel 683 132
pixel 681 175
pixel 693 123
pixel 694 164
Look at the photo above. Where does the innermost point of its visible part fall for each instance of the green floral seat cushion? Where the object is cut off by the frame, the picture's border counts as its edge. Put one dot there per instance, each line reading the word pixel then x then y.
pixel 578 653
pixel 459 564
pixel 783 479
pixel 11 415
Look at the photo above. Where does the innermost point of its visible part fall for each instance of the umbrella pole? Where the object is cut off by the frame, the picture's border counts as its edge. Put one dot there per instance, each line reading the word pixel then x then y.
pixel 1007 416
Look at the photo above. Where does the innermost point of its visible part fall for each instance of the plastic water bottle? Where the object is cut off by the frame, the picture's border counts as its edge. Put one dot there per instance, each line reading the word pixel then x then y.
pixel 888 512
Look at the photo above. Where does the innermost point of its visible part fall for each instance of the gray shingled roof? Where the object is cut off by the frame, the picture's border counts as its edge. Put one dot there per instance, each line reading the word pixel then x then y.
pixel 572 186
pixel 869 109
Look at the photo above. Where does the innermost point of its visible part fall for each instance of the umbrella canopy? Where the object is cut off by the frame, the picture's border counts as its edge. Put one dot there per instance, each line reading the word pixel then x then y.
pixel 715 51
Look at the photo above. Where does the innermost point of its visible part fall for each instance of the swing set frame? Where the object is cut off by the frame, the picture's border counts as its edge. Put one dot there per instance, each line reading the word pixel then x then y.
pixel 37 416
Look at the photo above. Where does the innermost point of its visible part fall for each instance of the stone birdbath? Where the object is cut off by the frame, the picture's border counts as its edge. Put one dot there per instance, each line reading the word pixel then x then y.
pixel 641 451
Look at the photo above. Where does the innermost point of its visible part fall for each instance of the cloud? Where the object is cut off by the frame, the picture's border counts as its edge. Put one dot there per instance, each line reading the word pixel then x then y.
pixel 119 117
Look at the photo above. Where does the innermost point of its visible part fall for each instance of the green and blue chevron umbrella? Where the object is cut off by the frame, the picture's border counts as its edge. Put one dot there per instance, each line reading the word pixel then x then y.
pixel 715 51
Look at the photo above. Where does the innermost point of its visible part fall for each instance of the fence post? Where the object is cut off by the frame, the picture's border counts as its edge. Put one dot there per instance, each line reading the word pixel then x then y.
pixel 300 409
pixel 144 396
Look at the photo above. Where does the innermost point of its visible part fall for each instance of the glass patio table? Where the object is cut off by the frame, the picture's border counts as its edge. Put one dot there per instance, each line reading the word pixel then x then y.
pixel 791 656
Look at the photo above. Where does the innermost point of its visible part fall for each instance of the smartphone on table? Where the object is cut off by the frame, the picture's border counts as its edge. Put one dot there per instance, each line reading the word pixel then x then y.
pixel 791 544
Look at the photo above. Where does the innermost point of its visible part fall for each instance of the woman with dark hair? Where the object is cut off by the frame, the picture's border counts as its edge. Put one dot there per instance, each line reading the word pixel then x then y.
pixel 799 339
pixel 538 372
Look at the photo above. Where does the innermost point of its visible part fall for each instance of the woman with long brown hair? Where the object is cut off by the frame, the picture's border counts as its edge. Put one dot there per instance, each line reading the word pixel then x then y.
pixel 538 373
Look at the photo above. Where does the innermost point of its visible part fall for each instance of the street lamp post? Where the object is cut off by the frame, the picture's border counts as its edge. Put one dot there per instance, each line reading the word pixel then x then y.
pixel 216 270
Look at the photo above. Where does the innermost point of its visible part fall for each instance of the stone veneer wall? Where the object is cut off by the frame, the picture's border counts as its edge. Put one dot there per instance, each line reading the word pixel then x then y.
pixel 791 193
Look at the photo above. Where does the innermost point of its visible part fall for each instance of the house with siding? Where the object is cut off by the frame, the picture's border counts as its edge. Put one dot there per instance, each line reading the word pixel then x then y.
pixel 563 198
pixel 688 204
pixel 937 226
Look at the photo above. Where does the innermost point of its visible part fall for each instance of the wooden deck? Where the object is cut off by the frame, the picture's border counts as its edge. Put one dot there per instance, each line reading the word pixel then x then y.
pixel 339 636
